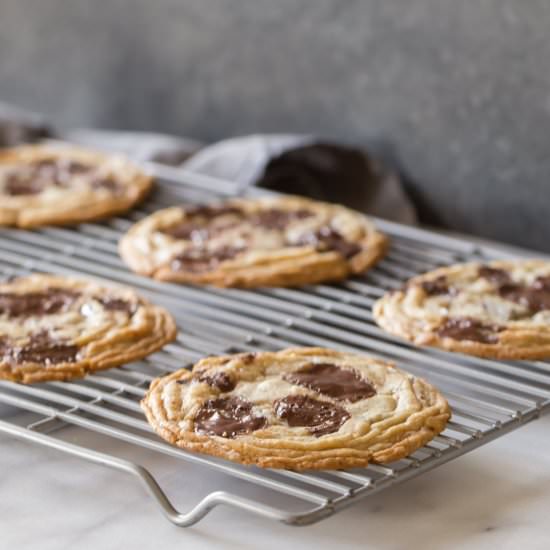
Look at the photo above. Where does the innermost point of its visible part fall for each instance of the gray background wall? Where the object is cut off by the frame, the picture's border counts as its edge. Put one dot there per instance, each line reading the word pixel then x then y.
pixel 455 93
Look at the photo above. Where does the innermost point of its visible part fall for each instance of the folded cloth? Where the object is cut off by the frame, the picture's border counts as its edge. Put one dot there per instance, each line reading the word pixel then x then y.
pixel 306 165
pixel 297 164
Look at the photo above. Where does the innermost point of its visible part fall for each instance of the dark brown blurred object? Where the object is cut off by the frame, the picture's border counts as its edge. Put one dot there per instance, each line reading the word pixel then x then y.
pixel 18 126
pixel 323 171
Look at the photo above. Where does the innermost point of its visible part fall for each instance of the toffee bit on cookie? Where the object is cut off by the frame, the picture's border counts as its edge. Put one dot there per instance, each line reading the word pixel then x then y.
pixel 465 328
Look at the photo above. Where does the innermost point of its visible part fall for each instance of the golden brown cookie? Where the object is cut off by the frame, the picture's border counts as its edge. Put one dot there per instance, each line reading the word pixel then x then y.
pixel 58 328
pixel 303 408
pixel 500 309
pixel 281 241
pixel 57 184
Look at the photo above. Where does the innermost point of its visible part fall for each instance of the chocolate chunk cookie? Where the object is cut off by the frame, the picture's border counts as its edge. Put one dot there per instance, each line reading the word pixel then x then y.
pixel 303 408
pixel 57 328
pixel 46 184
pixel 500 309
pixel 282 241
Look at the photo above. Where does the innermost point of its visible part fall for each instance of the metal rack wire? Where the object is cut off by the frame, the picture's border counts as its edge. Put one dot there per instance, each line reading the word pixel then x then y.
pixel 488 398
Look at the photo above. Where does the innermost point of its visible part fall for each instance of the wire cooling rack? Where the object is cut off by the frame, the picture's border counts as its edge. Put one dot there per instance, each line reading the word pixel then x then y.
pixel 488 398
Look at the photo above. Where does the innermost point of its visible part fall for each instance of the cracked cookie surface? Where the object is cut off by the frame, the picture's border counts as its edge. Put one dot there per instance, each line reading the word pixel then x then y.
pixel 274 241
pixel 59 328
pixel 302 408
pixel 499 309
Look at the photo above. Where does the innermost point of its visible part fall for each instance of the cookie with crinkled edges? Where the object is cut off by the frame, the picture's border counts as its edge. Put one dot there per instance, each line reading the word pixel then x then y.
pixel 64 184
pixel 60 328
pixel 303 408
pixel 499 309
pixel 274 241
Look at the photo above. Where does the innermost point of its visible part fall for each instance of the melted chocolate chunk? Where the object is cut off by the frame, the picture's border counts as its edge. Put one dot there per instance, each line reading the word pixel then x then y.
pixel 205 211
pixel 464 328
pixel 197 227
pixel 40 349
pixel 436 287
pixel 227 417
pixel 53 300
pixel 220 380
pixel 278 219
pixel 535 297
pixel 494 275
pixel 199 259
pixel 328 379
pixel 16 186
pixel 187 231
pixel 194 227
pixel 319 417
pixel 333 240
pixel 327 238
pixel 117 304
pixel 35 177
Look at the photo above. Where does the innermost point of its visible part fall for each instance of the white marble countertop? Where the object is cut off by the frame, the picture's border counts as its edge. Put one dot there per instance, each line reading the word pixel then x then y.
pixel 495 497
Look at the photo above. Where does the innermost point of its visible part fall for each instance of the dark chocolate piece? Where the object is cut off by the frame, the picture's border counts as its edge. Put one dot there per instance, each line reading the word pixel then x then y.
pixel 198 260
pixel 336 382
pixel 465 328
pixel 117 304
pixel 494 275
pixel 535 297
pixel 50 301
pixel 35 177
pixel 320 417
pixel 327 238
pixel 220 380
pixel 210 212
pixel 198 227
pixel 40 349
pixel 16 186
pixel 227 417
pixel 187 231
pixel 436 287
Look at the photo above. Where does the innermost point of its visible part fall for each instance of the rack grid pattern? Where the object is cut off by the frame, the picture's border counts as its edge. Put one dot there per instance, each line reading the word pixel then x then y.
pixel 488 398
